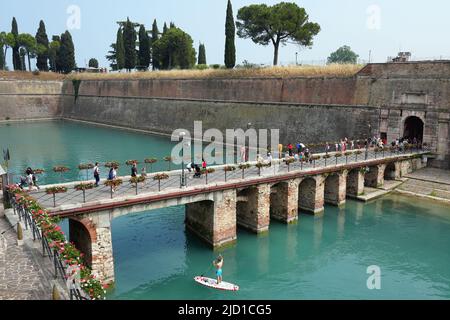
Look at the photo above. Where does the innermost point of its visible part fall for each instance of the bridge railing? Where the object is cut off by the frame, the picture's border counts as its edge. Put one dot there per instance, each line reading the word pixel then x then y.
pixel 60 267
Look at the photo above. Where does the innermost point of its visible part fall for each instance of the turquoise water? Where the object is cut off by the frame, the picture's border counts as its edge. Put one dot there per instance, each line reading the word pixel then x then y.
pixel 318 258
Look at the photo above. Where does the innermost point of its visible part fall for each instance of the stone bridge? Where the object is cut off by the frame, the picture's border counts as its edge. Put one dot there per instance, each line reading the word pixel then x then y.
pixel 217 204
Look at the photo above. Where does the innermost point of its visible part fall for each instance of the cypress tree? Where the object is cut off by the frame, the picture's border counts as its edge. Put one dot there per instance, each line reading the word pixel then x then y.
pixel 129 41
pixel 55 47
pixel 120 50
pixel 155 37
pixel 67 53
pixel 2 57
pixel 42 41
pixel 17 62
pixel 144 48
pixel 201 54
pixel 165 28
pixel 230 32
pixel 172 25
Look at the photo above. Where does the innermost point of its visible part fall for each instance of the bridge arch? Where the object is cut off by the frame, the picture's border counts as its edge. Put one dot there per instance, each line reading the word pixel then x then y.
pixel 392 171
pixel 311 194
pixel 284 201
pixel 82 234
pixel 335 188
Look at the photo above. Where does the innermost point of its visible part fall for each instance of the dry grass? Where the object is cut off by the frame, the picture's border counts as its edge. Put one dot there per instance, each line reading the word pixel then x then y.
pixel 22 75
pixel 272 72
pixel 334 70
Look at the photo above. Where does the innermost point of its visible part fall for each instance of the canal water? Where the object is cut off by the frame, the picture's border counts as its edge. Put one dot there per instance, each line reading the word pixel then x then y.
pixel 317 258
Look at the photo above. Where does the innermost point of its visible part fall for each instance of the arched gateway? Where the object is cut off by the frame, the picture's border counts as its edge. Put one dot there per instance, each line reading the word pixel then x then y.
pixel 413 129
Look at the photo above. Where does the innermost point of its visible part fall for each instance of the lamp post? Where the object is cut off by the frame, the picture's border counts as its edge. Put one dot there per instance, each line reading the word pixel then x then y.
pixel 183 182
pixel 296 58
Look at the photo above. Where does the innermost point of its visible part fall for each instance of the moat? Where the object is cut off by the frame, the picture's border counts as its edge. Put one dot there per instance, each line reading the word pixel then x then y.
pixel 319 257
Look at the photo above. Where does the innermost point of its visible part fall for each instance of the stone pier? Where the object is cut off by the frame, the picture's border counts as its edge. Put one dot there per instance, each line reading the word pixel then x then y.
pixel 214 221
pixel 375 177
pixel 311 194
pixel 336 188
pixel 253 208
pixel 284 201
pixel 91 234
pixel 355 182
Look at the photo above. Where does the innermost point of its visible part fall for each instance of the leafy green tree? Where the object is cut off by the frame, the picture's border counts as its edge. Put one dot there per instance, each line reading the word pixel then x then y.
pixel 28 43
pixel 202 54
pixel 42 42
pixel 175 50
pixel 53 54
pixel 343 55
pixel 277 25
pixel 155 37
pixel 144 48
pixel 8 41
pixel 66 53
pixel 230 33
pixel 120 50
pixel 129 41
pixel 17 63
pixel 112 57
pixel 93 63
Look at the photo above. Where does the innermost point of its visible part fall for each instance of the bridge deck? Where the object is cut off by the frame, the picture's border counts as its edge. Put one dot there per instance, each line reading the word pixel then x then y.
pixel 127 191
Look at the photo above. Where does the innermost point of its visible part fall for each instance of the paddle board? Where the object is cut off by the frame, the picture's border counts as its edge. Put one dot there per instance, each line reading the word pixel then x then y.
pixel 212 283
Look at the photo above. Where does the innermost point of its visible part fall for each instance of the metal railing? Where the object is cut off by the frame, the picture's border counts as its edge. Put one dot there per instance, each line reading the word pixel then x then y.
pixel 60 267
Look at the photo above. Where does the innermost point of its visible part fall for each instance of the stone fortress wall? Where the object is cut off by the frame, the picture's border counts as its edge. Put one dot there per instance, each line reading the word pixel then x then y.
pixel 380 99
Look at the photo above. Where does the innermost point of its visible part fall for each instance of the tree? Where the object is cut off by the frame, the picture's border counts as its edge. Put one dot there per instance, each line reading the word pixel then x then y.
pixel 120 50
pixel 53 54
pixel 8 41
pixel 66 53
pixel 343 55
pixel 144 48
pixel 165 28
pixel 175 50
pixel 112 57
pixel 155 37
pixel 22 54
pixel 42 42
pixel 129 41
pixel 28 43
pixel 230 33
pixel 2 54
pixel 17 63
pixel 202 54
pixel 277 24
pixel 172 25
pixel 93 63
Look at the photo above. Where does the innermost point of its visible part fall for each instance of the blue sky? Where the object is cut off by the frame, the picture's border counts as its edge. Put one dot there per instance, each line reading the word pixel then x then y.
pixel 382 26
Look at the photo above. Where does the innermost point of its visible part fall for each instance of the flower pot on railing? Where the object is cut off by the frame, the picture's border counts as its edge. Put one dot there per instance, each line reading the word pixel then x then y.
pixel 207 172
pixel 54 191
pixel 151 162
pixel 243 167
pixel 61 170
pixel 169 162
pixel 314 159
pixel 86 167
pixel 227 169
pixel 112 164
pixel 357 153
pixel 288 163
pixel 136 181
pixel 347 154
pixel 159 177
pixel 83 187
pixel 131 162
pixel 113 184
pixel 326 157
